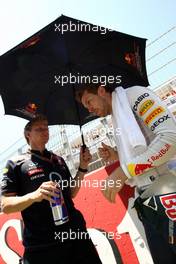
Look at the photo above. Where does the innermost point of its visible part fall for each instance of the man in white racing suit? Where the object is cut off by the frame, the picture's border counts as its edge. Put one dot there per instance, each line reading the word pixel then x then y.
pixel 147 167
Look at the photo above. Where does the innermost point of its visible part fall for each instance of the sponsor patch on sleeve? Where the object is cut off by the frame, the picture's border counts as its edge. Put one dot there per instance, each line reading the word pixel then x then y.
pixel 136 169
pixel 160 121
pixel 159 154
pixel 157 111
pixel 139 100
pixel 145 107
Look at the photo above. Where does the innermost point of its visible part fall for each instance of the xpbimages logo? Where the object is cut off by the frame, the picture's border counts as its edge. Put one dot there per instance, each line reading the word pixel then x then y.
pixel 85 79
pixel 82 27
pixel 72 235
pixel 87 183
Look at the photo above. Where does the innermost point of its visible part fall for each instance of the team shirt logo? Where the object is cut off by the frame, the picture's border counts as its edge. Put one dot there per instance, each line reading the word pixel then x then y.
pixel 145 107
pixel 34 171
pixel 157 111
pixel 169 203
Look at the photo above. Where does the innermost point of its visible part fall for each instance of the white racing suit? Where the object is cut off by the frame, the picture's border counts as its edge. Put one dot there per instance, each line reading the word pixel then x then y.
pixel 150 172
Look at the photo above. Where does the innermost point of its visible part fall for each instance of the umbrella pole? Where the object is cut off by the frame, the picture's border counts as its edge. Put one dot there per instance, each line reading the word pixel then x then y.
pixel 83 142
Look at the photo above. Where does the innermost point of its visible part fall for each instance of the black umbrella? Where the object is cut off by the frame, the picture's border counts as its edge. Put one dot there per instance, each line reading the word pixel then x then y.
pixel 40 75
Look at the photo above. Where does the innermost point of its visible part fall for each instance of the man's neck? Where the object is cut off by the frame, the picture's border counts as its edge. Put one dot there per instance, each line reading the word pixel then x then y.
pixel 38 148
pixel 109 101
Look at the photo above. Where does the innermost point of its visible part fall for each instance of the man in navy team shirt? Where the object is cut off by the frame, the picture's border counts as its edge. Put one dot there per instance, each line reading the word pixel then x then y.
pixel 26 188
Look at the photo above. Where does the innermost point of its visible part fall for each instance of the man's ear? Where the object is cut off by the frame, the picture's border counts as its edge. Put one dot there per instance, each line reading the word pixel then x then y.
pixel 101 91
pixel 27 134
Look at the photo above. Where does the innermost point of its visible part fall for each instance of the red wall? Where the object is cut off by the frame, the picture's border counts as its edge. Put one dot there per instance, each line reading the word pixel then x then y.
pixel 101 214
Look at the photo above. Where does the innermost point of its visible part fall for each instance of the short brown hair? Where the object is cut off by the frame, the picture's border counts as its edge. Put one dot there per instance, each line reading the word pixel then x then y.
pixel 29 125
pixel 92 88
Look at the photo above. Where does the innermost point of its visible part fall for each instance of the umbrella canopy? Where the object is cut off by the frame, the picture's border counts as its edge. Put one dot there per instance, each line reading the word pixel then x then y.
pixel 40 75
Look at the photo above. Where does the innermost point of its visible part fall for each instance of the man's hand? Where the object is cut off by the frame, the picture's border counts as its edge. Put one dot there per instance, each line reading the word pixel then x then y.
pixel 114 183
pixel 107 153
pixel 45 192
pixel 85 157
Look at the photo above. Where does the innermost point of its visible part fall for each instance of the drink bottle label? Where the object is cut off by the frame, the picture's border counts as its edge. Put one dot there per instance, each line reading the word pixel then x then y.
pixel 59 210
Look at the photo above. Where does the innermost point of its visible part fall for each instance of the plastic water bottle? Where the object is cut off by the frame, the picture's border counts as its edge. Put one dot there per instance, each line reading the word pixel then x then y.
pixel 59 210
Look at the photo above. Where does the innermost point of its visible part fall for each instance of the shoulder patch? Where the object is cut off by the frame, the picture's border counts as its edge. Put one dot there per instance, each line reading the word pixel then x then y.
pixel 5 170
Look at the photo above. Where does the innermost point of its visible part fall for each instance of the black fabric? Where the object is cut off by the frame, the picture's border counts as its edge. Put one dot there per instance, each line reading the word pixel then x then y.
pixel 161 251
pixel 24 176
pixel 157 227
pixel 75 252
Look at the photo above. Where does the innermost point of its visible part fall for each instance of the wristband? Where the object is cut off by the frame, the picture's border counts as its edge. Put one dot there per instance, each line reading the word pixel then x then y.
pixel 82 170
